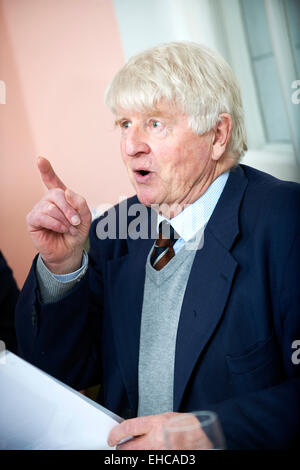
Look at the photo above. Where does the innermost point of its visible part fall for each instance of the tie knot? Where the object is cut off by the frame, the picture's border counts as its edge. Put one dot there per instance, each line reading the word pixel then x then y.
pixel 166 235
pixel 163 250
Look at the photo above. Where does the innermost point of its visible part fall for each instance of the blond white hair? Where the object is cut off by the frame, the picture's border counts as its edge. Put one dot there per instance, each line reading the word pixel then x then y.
pixel 197 80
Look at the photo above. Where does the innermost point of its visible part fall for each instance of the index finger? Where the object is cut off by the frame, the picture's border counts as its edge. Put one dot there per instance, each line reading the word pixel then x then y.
pixel 49 177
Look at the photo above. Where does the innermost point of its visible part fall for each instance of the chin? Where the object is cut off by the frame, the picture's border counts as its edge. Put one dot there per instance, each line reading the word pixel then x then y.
pixel 146 199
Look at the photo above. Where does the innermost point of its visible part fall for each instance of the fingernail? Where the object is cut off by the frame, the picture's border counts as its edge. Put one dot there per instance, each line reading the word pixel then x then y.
pixel 75 220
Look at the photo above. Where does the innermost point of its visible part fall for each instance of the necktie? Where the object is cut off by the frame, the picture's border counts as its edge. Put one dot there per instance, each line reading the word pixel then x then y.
pixel 163 250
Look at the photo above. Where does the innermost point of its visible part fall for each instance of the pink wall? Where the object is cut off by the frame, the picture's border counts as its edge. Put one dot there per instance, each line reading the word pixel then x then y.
pixel 56 58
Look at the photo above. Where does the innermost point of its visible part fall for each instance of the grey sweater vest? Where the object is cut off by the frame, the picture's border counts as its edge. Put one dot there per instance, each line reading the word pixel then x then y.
pixel 163 295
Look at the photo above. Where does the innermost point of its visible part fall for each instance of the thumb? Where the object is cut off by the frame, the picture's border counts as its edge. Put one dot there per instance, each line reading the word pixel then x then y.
pixel 79 204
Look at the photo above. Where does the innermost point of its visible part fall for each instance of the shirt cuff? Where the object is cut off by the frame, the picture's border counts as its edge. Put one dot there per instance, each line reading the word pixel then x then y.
pixel 55 286
pixel 71 276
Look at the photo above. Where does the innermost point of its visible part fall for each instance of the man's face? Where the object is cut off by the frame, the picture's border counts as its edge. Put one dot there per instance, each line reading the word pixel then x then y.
pixel 166 161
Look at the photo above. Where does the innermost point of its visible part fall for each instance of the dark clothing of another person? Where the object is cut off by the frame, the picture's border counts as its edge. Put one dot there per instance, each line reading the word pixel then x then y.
pixel 9 294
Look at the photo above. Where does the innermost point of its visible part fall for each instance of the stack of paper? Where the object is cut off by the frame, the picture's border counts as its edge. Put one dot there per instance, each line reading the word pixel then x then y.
pixel 39 412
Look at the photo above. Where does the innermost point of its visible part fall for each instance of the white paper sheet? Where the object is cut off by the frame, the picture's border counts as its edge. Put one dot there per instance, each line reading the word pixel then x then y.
pixel 40 412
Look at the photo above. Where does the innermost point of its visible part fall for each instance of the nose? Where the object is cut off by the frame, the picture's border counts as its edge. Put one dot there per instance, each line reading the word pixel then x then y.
pixel 135 142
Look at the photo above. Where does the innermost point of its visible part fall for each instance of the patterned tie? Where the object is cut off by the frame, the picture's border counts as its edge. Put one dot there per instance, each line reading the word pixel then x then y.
pixel 163 250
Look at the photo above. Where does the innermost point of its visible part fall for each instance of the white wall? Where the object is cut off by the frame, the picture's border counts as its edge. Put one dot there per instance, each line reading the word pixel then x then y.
pixel 144 24
pixel 218 24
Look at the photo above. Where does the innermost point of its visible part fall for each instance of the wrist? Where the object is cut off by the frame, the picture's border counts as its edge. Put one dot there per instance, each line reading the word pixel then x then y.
pixel 67 266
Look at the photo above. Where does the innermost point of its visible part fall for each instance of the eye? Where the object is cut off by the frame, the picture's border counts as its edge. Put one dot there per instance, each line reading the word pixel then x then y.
pixel 157 127
pixel 125 124
pixel 154 123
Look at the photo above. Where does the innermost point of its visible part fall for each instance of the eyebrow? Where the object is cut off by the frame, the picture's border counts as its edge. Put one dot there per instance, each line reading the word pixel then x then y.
pixel 119 120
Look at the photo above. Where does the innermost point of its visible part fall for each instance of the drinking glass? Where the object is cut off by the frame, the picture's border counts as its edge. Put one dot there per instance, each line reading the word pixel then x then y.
pixel 198 430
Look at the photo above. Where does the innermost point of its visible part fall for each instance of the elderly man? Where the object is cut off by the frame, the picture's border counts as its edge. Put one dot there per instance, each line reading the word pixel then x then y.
pixel 164 328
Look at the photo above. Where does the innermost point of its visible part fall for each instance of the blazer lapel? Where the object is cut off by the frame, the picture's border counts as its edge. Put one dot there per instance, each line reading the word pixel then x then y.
pixel 209 283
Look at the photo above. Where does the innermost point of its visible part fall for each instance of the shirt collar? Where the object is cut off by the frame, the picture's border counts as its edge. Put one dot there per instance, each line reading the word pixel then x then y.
pixel 196 215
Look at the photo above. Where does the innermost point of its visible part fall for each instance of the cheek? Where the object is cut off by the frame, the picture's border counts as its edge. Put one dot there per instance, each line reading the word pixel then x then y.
pixel 195 158
pixel 123 153
pixel 184 162
pixel 169 159
pixel 122 148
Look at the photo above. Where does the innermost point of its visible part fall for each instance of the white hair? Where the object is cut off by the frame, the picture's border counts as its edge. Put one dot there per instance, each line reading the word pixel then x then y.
pixel 193 77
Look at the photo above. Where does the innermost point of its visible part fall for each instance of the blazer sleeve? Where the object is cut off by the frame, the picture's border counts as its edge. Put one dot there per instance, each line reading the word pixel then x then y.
pixel 63 337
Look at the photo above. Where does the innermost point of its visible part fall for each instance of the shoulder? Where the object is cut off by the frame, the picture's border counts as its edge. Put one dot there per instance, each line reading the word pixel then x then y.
pixel 272 196
pixel 269 214
pixel 265 183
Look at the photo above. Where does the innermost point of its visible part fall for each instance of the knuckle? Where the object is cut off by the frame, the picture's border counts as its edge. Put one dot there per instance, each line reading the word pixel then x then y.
pixel 59 191
pixel 32 216
pixel 167 415
pixel 129 427
pixel 55 193
pixel 125 426
pixel 37 206
pixel 48 194
pixel 49 208
pixel 136 426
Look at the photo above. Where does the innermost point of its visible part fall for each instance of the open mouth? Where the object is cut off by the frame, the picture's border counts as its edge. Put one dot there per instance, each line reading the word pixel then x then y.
pixel 143 172
pixel 142 176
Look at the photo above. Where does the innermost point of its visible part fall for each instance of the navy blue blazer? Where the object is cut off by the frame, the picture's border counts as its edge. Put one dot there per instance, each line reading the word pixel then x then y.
pixel 239 317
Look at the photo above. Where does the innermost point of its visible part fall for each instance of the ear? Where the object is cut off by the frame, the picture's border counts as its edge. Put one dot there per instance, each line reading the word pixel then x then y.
pixel 222 134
